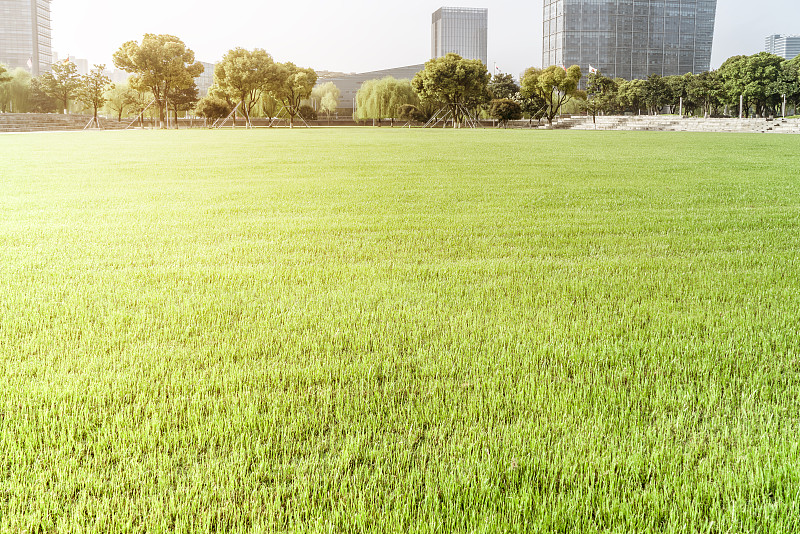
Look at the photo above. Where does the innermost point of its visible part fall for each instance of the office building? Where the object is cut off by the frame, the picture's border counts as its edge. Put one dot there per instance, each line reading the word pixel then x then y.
pixel 206 79
pixel 349 84
pixel 462 30
pixel 25 35
pixel 629 39
pixel 786 46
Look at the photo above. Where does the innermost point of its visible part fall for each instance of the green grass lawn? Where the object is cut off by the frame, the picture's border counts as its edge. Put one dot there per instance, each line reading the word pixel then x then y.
pixel 371 330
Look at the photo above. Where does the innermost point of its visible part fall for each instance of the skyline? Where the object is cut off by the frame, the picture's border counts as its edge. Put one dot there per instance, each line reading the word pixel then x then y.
pixel 335 39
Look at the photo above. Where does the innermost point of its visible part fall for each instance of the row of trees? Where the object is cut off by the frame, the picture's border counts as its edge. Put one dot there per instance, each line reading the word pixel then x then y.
pixel 758 82
pixel 761 83
pixel 460 89
pixel 163 72
pixel 53 90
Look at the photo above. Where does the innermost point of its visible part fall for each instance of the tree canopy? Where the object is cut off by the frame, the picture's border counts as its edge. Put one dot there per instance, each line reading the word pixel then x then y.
pixel 245 75
pixel 61 83
pixel 293 85
pixel 161 63
pixel 92 90
pixel 454 82
pixel 327 94
pixel 384 98
pixel 553 85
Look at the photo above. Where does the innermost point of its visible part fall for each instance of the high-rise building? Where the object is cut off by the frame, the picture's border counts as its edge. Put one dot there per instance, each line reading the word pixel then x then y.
pixel 786 46
pixel 462 30
pixel 629 38
pixel 206 79
pixel 25 35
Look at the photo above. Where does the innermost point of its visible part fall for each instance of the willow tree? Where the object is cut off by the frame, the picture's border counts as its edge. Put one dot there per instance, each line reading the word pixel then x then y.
pixel 161 63
pixel 384 98
pixel 328 96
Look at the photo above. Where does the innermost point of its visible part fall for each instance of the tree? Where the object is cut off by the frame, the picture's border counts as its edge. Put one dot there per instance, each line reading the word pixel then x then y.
pixel 601 94
pixel 676 86
pixel 293 85
pixel 120 97
pixel 761 75
pixel 213 107
pixel 503 86
pixel 733 74
pixel 61 83
pixel 307 112
pixel 328 96
pixel 705 91
pixel 656 93
pixel 16 93
pixel 182 100
pixel 504 110
pixel 553 85
pixel 269 106
pixel 382 99
pixel 790 81
pixel 5 77
pixel 631 95
pixel 38 100
pixel 92 90
pixel 458 83
pixel 245 75
pixel 161 63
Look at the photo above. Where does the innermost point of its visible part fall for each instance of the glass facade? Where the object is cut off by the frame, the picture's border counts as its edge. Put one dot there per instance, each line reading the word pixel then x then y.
pixel 629 39
pixel 25 35
pixel 462 30
pixel 786 46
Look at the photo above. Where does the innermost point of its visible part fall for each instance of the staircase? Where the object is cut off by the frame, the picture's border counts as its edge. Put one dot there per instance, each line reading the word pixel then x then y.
pixel 672 123
pixel 50 122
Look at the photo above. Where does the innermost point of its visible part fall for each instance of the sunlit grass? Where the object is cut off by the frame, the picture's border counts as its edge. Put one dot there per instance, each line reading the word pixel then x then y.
pixel 344 330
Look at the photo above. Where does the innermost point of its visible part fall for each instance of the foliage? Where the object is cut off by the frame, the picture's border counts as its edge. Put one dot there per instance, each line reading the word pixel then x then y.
pixel 119 97
pixel 553 86
pixel 92 90
pixel 382 99
pixel 327 94
pixel 245 75
pixel 213 107
pixel 503 86
pixel 454 82
pixel 705 91
pixel 504 110
pixel 293 85
pixel 631 95
pixel 656 93
pixel 61 83
pixel 183 100
pixel 307 112
pixel 5 77
pixel 601 94
pixel 16 93
pixel 161 63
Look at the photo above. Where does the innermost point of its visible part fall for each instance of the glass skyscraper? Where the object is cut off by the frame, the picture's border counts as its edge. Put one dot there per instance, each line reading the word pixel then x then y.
pixel 630 38
pixel 25 35
pixel 462 30
pixel 786 46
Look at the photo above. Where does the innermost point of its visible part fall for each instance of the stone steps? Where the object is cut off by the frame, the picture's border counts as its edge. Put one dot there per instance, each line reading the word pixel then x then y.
pixel 46 122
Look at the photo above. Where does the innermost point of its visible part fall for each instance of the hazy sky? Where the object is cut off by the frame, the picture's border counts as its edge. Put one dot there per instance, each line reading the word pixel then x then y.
pixel 363 35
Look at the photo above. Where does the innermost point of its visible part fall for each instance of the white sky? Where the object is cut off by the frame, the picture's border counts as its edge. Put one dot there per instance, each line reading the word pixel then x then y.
pixel 361 36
